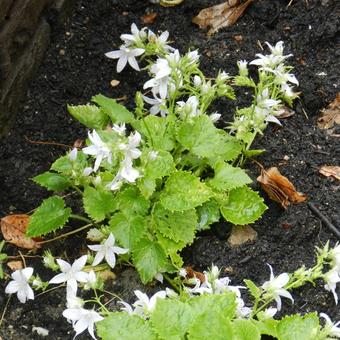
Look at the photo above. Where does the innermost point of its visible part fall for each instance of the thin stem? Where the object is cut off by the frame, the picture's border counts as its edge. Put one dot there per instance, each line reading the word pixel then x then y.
pixel 80 218
pixel 4 311
pixel 50 290
pixel 172 282
pixel 66 234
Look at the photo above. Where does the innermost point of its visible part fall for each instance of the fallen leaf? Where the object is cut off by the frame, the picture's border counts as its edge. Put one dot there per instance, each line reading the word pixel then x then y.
pixel 330 171
pixel 114 82
pixel 241 234
pixel 279 188
pixel 13 228
pixel 222 15
pixel 78 143
pixel 193 274
pixel 149 18
pixel 238 38
pixel 15 265
pixel 331 115
pixel 285 112
pixel 170 3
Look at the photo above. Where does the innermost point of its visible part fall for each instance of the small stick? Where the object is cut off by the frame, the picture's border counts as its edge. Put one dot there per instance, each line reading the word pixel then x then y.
pixel 324 219
pixel 4 311
pixel 47 143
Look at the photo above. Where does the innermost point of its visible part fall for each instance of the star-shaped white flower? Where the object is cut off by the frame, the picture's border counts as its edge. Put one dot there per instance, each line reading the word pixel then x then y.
pixel 331 278
pixel 190 107
pixel 158 105
pixel 107 250
pixel 20 284
pixel 98 149
pixel 136 35
pixel 126 55
pixel 333 330
pixel 275 287
pixel 82 318
pixel 131 148
pixel 145 305
pixel 71 273
pixel 266 107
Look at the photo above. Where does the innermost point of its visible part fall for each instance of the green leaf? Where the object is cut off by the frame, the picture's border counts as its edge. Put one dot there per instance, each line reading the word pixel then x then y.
pixel 162 165
pixel 211 326
pixel 297 327
pixel 157 132
pixel 171 248
pixel 201 137
pixel 244 81
pixel 149 258
pixel 50 216
pixel 253 153
pixel 228 177
pixel 245 330
pixel 128 229
pixel 243 206
pixel 122 326
pixel 223 303
pixel 179 226
pixel 208 213
pixel 171 319
pixel 146 186
pixel 89 115
pixel 267 326
pixel 98 203
pixel 117 112
pixel 130 201
pixel 254 290
pixel 184 191
pixel 52 181
pixel 63 165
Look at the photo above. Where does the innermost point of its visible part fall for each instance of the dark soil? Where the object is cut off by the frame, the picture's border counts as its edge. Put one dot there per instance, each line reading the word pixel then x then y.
pixel 75 69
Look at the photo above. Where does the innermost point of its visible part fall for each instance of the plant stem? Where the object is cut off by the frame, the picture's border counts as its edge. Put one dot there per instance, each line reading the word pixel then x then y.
pixel 80 218
pixel 172 282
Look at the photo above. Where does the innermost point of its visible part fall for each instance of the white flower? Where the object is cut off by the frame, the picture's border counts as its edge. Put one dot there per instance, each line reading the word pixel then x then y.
pixel 120 129
pixel 71 273
pixel 127 307
pixel 82 318
pixel 332 328
pixel 277 49
pixel 170 293
pixel 265 107
pixel 214 117
pixel 159 84
pixel 72 301
pixel 107 250
pixel 197 81
pixel 126 55
pixel 268 313
pixel 98 149
pixel 144 306
pixel 283 77
pixel 20 284
pixel 242 66
pixel 334 256
pixel 136 35
pixel 94 234
pixel 73 154
pixel 241 310
pixel 193 56
pixel 130 149
pixel 190 107
pixel 222 77
pixel 159 277
pixel 87 171
pixel 182 272
pixel 116 183
pixel 274 287
pixel 158 105
pixel 126 172
pixel 91 281
pixel 332 278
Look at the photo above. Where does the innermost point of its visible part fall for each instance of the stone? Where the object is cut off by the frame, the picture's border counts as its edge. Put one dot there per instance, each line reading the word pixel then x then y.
pixel 240 235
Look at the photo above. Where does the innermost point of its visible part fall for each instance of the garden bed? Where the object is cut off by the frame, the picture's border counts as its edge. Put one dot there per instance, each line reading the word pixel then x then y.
pixel 75 69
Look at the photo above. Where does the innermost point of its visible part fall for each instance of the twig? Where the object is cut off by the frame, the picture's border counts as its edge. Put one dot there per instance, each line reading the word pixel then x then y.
pixel 4 311
pixel 47 143
pixel 324 219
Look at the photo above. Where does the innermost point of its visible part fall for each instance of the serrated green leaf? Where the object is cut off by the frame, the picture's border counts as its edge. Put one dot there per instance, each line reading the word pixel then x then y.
pixel 244 81
pixel 128 229
pixel 211 326
pixel 146 186
pixel 223 303
pixel 52 181
pixel 254 290
pixel 245 330
pixel 171 319
pixel 98 203
pixel 243 206
pixel 208 213
pixel 149 258
pixel 297 327
pixel 179 226
pixel 171 248
pixel 184 191
pixel 228 177
pixel 201 137
pixel 267 326
pixel 63 165
pixel 49 216
pixel 158 167
pixel 122 326
pixel 117 112
pixel 130 201
pixel 157 133
pixel 89 115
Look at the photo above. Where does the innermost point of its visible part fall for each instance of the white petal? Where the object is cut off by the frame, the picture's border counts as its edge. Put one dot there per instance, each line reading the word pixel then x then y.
pixel 73 314
pixel 29 292
pixel 96 247
pixel 60 278
pixel 64 266
pixel 21 294
pixel 90 150
pixel 79 263
pixel 282 279
pixel 12 287
pixel 136 52
pixel 110 259
pixel 119 250
pixel 98 258
pixel 133 63
pixel 114 54
pixel 121 63
pixel 72 284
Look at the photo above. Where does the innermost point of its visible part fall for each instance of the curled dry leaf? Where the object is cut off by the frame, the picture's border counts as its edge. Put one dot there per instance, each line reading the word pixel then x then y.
pixel 279 188
pixel 78 143
pixel 222 15
pixel 331 115
pixel 114 82
pixel 149 18
pixel 13 228
pixel 286 112
pixel 330 171
pixel 170 3
pixel 193 274
pixel 15 265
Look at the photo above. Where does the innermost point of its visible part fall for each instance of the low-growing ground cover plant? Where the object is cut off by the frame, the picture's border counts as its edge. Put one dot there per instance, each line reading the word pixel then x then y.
pixel 149 180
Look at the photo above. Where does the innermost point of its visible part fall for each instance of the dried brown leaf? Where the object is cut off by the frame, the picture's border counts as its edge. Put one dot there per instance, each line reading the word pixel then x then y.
pixel 331 115
pixel 279 188
pixel 286 112
pixel 149 18
pixel 15 265
pixel 114 82
pixel 330 171
pixel 222 15
pixel 193 274
pixel 13 228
